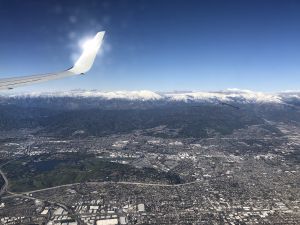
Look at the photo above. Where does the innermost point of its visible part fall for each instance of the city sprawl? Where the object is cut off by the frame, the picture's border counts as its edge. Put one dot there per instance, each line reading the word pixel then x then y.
pixel 155 174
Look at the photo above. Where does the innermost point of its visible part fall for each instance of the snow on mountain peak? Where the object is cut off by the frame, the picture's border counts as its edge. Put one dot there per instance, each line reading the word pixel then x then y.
pixel 229 95
pixel 143 95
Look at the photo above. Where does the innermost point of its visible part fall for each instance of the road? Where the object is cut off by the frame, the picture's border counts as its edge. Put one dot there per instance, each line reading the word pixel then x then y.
pixel 104 182
pixel 4 187
pixel 26 195
pixel 68 209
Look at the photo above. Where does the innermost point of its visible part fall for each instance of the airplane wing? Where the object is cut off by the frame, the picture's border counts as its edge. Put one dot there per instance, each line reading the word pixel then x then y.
pixel 81 66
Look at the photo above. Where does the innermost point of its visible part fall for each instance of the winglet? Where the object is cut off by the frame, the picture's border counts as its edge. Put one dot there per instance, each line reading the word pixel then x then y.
pixel 86 60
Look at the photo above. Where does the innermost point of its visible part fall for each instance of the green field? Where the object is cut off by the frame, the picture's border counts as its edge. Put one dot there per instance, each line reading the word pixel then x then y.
pixel 26 175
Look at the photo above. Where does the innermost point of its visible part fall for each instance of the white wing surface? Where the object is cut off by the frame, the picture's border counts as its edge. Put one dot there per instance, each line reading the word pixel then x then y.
pixel 81 66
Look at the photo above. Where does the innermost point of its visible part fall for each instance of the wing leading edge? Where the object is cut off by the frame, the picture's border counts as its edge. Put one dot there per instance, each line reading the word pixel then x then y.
pixel 81 66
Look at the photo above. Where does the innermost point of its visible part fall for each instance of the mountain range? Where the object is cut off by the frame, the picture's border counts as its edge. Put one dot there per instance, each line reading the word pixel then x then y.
pixel 165 114
pixel 229 95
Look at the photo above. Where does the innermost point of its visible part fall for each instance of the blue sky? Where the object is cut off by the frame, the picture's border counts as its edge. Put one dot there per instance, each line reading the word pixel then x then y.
pixel 156 45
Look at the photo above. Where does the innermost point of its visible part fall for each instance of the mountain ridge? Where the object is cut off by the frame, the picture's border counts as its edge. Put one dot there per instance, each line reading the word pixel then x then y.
pixel 229 95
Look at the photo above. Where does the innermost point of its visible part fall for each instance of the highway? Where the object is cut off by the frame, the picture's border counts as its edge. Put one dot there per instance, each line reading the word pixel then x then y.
pixel 100 183
pixel 68 209
pixel 4 187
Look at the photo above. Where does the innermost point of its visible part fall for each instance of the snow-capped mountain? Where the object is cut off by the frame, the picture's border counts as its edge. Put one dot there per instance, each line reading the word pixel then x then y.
pixel 126 95
pixel 229 95
pixel 183 114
